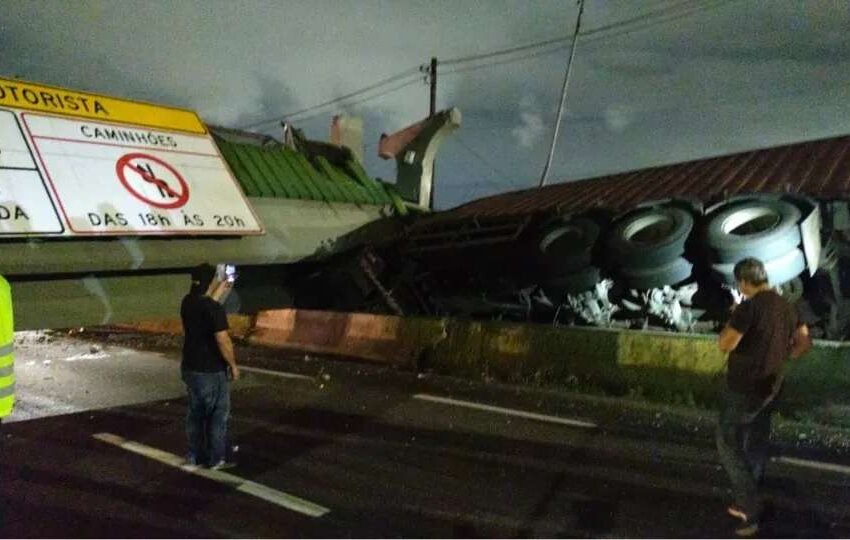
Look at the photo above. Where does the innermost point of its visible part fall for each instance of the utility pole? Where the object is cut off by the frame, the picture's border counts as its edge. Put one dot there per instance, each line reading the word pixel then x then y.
pixel 432 110
pixel 432 79
pixel 545 174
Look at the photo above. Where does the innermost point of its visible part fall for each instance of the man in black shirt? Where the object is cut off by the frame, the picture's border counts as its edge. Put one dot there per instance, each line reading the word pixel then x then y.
pixel 764 331
pixel 208 362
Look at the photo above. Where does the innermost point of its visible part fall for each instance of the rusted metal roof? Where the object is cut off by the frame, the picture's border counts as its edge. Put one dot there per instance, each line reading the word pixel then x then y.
pixel 820 169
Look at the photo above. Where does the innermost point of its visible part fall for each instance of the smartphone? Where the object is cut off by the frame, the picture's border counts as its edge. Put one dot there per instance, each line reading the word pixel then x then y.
pixel 230 273
pixel 226 272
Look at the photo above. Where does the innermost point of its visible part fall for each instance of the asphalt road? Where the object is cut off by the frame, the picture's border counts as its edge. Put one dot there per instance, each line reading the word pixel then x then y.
pixel 334 450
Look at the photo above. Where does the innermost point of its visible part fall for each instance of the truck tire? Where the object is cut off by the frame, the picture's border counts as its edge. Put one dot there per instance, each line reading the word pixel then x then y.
pixel 650 237
pixel 771 230
pixel 567 247
pixel 780 269
pixel 669 273
pixel 557 288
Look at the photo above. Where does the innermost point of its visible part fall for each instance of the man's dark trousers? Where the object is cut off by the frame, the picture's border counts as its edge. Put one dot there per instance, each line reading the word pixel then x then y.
pixel 209 409
pixel 743 441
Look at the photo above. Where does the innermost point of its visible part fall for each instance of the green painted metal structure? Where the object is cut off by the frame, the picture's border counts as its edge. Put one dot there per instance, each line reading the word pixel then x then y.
pixel 279 172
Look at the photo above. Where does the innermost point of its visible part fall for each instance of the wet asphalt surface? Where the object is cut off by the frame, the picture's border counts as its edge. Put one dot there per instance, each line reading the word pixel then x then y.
pixel 353 438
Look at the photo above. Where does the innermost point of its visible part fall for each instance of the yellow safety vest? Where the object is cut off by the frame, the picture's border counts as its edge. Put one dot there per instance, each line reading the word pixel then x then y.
pixel 7 350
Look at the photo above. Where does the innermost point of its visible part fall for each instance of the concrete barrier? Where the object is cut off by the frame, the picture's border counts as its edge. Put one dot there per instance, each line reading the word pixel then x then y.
pixel 683 369
pixel 377 338
pixel 240 326
pixel 670 367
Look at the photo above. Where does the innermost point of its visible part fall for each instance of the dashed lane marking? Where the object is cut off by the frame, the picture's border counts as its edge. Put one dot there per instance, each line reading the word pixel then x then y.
pixel 832 467
pixel 501 410
pixel 284 374
pixel 280 498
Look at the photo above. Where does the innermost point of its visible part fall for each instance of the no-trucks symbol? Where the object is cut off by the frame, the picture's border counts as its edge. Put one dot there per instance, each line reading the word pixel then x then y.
pixel 152 180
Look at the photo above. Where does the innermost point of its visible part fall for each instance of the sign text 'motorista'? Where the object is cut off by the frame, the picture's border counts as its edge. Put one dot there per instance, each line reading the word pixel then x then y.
pixel 26 95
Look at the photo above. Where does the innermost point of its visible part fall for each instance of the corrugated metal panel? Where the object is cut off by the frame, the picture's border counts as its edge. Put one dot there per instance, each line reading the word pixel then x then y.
pixel 274 171
pixel 819 169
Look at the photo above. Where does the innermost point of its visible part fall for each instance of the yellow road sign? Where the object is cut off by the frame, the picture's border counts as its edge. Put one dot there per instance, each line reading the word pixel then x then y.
pixel 26 95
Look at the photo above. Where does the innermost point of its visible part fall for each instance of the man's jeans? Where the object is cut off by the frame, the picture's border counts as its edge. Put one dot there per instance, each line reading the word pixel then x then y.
pixel 209 409
pixel 743 439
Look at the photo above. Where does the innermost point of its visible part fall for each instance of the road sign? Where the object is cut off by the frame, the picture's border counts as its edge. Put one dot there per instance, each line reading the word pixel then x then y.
pixel 49 99
pixel 80 164
pixel 117 179
pixel 25 205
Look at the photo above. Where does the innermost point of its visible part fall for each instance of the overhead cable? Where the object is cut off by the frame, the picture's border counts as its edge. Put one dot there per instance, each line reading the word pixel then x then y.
pixel 482 159
pixel 358 101
pixel 502 52
pixel 383 82
pixel 670 13
pixel 476 67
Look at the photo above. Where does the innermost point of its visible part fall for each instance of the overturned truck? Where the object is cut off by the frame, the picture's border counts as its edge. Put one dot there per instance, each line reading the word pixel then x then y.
pixel 653 248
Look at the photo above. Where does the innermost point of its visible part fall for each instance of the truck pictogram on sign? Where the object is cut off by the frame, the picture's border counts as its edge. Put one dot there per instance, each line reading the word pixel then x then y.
pixel 152 180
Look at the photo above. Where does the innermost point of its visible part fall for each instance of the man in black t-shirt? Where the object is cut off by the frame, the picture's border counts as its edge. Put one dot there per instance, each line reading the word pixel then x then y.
pixel 764 331
pixel 208 363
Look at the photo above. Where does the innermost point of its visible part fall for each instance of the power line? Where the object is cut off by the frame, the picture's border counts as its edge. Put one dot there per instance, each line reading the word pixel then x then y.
pixel 594 33
pixel 471 189
pixel 506 61
pixel 642 17
pixel 360 101
pixel 590 35
pixel 667 14
pixel 482 159
pixel 398 76
pixel 603 32
pixel 483 56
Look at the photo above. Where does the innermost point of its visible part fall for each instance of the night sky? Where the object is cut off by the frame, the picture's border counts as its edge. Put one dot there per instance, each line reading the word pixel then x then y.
pixel 653 82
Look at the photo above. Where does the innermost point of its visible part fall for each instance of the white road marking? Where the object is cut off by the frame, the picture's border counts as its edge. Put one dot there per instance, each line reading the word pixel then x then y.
pixel 284 374
pixel 502 410
pixel 238 483
pixel 832 467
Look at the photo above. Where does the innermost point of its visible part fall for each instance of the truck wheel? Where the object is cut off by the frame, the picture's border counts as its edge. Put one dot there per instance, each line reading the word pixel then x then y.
pixel 650 237
pixel 567 247
pixel 557 288
pixel 779 269
pixel 675 271
pixel 760 228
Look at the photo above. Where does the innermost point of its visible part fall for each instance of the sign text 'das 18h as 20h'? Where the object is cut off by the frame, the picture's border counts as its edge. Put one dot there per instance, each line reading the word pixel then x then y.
pixel 117 179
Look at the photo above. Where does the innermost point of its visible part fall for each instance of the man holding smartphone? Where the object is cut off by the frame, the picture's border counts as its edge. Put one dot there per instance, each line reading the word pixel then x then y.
pixel 208 365
pixel 763 333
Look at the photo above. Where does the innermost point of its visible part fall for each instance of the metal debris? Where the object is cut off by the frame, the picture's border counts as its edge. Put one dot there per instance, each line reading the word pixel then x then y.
pixel 594 306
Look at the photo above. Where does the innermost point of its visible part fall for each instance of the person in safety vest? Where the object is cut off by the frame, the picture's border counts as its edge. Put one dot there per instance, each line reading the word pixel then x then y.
pixel 7 345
